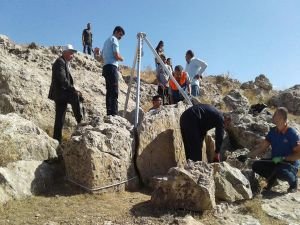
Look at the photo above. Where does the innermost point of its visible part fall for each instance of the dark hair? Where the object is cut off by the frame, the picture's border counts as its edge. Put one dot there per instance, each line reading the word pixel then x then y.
pixel 178 68
pixel 119 29
pixel 190 53
pixel 163 57
pixel 160 43
pixel 156 97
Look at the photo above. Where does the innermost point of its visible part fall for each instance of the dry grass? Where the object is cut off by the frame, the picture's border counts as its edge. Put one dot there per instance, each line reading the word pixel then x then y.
pixel 148 75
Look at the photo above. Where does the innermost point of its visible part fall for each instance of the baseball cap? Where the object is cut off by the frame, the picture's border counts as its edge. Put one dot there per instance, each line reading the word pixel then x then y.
pixel 69 47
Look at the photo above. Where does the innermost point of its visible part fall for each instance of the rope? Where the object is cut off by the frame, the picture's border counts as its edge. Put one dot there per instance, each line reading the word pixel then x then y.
pixel 98 188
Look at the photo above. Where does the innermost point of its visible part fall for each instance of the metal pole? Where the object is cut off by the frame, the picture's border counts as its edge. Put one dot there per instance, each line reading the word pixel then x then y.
pixel 166 70
pixel 140 37
pixel 130 81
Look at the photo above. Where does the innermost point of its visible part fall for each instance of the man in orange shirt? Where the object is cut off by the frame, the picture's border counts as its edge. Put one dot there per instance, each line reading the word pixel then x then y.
pixel 182 79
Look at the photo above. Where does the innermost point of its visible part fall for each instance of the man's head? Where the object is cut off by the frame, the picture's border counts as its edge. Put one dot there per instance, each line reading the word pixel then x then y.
pixel 189 55
pixel 88 26
pixel 163 58
pixel 68 52
pixel 118 32
pixel 169 61
pixel 178 70
pixel 280 118
pixel 156 101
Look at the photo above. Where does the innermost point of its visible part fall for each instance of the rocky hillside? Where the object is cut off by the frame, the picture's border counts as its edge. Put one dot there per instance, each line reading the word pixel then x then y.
pixel 106 154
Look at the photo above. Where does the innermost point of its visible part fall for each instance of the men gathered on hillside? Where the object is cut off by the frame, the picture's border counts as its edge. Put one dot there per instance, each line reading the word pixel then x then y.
pixel 194 124
pixel 62 91
pixel 194 67
pixel 111 57
pixel 87 39
pixel 285 153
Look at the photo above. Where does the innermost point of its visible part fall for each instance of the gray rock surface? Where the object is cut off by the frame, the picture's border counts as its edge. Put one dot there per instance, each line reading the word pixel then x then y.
pixel 190 188
pixel 21 139
pixel 236 101
pixel 100 154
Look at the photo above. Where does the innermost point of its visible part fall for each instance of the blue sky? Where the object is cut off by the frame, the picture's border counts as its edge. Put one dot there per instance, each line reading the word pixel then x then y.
pixel 242 38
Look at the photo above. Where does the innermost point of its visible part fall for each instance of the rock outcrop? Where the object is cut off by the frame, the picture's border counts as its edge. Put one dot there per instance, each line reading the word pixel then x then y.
pixel 25 77
pixel 289 98
pixel 236 101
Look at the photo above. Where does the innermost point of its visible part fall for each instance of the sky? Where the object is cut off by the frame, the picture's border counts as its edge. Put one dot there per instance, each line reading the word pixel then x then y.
pixel 235 37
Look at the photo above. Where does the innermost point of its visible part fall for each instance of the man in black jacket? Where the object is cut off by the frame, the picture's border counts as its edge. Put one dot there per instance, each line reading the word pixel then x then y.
pixel 63 92
pixel 194 124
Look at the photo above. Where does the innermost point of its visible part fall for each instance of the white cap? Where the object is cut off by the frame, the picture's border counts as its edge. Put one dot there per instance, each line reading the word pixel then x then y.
pixel 69 47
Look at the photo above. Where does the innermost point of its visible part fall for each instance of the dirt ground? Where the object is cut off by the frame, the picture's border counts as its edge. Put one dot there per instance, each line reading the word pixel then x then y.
pixel 66 204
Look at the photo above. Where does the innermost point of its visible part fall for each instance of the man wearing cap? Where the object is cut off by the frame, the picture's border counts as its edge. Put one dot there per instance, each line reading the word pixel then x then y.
pixel 87 39
pixel 111 56
pixel 62 91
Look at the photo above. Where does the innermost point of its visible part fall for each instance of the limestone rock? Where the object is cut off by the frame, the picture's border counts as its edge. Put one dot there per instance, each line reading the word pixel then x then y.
pixel 289 98
pixel 101 154
pixel 231 184
pixel 245 130
pixel 190 188
pixel 161 145
pixel 187 220
pixel 263 82
pixel 21 139
pixel 236 101
pixel 25 178
pixel 25 77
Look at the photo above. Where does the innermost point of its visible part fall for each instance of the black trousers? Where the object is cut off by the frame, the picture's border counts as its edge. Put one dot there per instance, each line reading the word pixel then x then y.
pixel 192 135
pixel 87 47
pixel 60 112
pixel 111 75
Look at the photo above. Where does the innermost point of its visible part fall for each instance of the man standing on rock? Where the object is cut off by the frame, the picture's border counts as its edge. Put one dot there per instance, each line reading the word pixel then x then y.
pixel 87 39
pixel 194 124
pixel 194 67
pixel 63 92
pixel 285 154
pixel 111 56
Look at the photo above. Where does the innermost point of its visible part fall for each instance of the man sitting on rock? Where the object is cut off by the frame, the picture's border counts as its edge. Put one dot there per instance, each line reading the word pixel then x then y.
pixel 194 124
pixel 285 153
pixel 63 92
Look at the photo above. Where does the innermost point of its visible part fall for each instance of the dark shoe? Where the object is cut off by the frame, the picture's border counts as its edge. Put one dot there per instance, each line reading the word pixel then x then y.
pixel 293 188
pixel 271 183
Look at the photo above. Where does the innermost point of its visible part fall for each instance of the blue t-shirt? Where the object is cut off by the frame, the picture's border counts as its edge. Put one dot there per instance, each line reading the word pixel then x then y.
pixel 282 144
pixel 111 45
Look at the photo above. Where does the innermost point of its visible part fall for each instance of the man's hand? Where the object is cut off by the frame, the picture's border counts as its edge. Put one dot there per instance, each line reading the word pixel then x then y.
pixel 277 159
pixel 217 157
pixel 242 158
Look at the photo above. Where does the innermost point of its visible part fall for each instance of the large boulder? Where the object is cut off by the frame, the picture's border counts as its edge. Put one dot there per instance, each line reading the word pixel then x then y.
pixel 289 98
pixel 160 142
pixel 235 100
pixel 246 130
pixel 100 154
pixel 25 77
pixel 25 178
pixel 191 188
pixel 21 139
pixel 231 184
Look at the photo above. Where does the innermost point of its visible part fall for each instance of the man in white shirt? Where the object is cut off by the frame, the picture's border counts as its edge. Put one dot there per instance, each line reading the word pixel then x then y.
pixel 194 67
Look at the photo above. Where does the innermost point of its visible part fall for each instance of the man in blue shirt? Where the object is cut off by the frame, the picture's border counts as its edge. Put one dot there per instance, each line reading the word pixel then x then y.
pixel 285 144
pixel 111 57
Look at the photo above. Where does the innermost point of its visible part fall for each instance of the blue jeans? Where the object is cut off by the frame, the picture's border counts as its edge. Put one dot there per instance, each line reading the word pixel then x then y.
pixel 271 171
pixel 111 75
pixel 195 90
